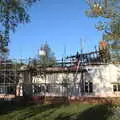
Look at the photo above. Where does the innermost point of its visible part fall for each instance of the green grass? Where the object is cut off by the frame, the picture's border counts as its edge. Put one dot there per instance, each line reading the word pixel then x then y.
pixel 55 112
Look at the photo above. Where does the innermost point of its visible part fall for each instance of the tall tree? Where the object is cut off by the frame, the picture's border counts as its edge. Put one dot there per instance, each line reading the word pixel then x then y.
pixel 110 10
pixel 12 13
pixel 48 58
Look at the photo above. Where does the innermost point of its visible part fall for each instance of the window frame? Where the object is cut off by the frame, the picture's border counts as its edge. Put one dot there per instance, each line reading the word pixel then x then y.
pixel 116 87
pixel 88 87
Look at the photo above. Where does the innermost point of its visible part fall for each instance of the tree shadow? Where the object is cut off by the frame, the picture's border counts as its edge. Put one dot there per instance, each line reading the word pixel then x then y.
pixel 33 109
pixel 7 107
pixel 48 108
pixel 44 111
pixel 66 117
pixel 97 112
pixel 35 112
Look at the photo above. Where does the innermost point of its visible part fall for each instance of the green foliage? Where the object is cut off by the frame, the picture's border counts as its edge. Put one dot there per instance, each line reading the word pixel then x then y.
pixel 104 8
pixel 105 55
pixel 12 13
pixel 110 11
pixel 49 59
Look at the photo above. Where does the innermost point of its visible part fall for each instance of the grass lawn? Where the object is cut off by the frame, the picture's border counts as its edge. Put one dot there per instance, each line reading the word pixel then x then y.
pixel 10 111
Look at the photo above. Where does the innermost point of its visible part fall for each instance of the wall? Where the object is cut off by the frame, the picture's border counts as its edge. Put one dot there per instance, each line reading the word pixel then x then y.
pixel 102 77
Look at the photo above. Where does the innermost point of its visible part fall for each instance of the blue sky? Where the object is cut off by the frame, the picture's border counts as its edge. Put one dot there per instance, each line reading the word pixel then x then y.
pixel 62 23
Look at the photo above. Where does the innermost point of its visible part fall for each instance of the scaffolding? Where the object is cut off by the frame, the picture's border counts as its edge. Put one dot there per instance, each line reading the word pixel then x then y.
pixel 75 64
pixel 10 71
pixel 8 77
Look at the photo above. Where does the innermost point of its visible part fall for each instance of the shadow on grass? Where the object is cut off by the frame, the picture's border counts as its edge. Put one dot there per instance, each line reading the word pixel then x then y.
pixel 33 109
pixel 44 111
pixel 6 107
pixel 98 112
pixel 66 117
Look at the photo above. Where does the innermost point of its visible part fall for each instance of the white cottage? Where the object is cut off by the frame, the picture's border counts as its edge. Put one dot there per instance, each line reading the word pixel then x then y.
pixel 95 81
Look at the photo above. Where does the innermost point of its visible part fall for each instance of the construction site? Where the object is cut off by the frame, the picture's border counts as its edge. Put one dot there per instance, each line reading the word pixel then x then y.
pixel 82 74
pixel 94 74
pixel 64 64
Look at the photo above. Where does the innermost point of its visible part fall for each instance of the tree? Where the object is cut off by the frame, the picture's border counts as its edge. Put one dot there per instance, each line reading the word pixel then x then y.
pixel 12 13
pixel 104 51
pixel 49 58
pixel 110 10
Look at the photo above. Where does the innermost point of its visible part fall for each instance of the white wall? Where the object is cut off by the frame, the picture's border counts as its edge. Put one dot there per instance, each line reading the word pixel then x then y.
pixel 102 76
pixel 103 79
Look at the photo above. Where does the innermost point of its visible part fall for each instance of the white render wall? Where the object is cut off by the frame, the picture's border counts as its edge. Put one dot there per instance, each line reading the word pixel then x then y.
pixel 55 78
pixel 102 76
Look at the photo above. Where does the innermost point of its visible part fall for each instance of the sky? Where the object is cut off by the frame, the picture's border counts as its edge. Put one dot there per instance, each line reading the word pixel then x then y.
pixel 62 24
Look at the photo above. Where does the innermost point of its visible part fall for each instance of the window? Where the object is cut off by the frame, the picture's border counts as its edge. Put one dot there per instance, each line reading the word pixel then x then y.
pixel 38 88
pixel 116 87
pixel 48 88
pixel 1 90
pixel 88 87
